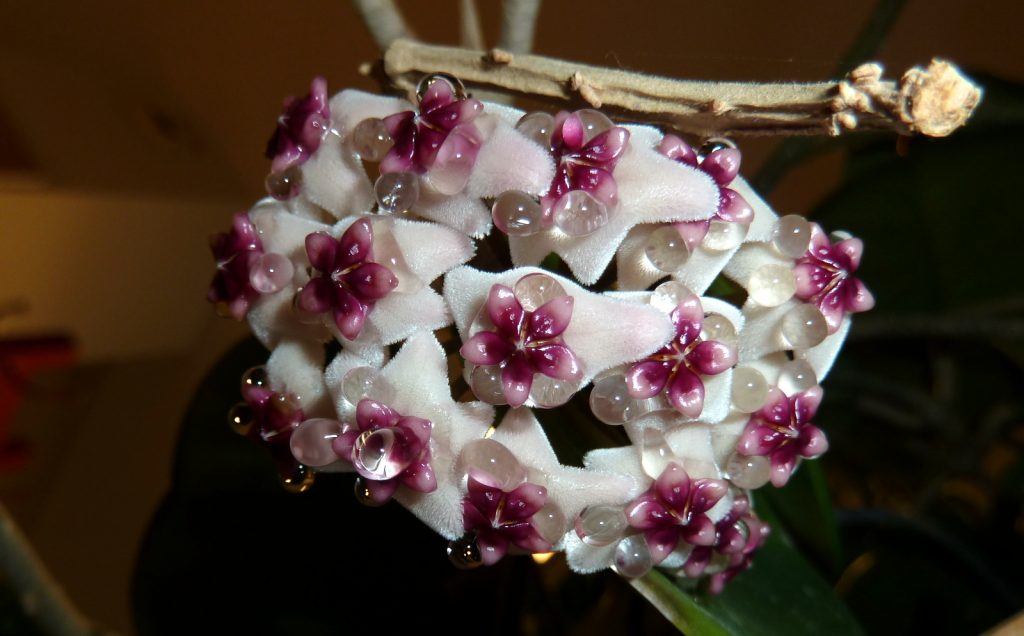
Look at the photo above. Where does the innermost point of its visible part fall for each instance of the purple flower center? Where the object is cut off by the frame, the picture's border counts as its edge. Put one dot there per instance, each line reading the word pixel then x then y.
pixel 235 252
pixel 823 278
pixel 300 128
pixel 674 509
pixel 501 518
pixel 350 283
pixel 584 162
pixel 524 343
pixel 782 430
pixel 677 367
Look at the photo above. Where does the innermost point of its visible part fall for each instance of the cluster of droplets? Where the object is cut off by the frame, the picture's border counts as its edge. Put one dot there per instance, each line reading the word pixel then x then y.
pixel 586 145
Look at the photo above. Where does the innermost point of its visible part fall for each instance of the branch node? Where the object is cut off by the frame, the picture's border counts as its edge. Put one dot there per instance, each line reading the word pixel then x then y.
pixel 498 56
pixel 586 90
pixel 937 100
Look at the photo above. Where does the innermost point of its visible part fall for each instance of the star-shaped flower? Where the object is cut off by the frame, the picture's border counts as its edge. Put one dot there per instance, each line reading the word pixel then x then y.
pixel 782 431
pixel 235 252
pixel 300 128
pixel 738 536
pixel 824 276
pixel 599 332
pixel 499 518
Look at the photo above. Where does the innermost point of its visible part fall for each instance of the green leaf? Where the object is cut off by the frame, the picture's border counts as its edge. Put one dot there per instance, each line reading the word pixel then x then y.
pixel 805 507
pixel 780 594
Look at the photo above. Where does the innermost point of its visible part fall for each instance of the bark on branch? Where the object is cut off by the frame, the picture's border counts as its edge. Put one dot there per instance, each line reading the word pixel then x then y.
pixel 932 101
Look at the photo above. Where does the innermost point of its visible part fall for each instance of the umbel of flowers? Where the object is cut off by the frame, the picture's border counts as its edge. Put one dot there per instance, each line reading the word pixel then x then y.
pixel 384 231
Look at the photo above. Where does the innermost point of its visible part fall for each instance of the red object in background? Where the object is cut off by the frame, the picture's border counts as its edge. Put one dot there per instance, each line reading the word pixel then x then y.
pixel 20 359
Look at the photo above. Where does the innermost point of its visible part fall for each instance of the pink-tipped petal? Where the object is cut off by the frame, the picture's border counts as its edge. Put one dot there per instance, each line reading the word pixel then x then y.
pixel 483 497
pixel 647 512
pixel 417 432
pixel 783 464
pixel 686 393
pixel 707 493
pixel 371 415
pixel 675 148
pixel 723 165
pixel 688 318
pixel 570 133
pixel 523 502
pixel 317 296
pixel 712 357
pixel 699 559
pixel 516 380
pixel 700 531
pixel 551 318
pixel 606 147
pixel 693 232
pixel 733 207
pixel 419 477
pixel 438 94
pixel 356 244
pixel 647 379
pixel 757 440
pixel 555 361
pixel 810 279
pixel 349 314
pixel 525 537
pixel 858 297
pixel 833 308
pixel 661 542
pixel 492 546
pixel 321 248
pixel 371 281
pixel 851 249
pixel 673 486
pixel 776 407
pixel 504 311
pixel 813 442
pixel 486 347
pixel 805 404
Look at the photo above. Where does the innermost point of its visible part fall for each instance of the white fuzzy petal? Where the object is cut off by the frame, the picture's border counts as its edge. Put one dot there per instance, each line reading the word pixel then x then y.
pixel 764 216
pixel 508 160
pixel 824 355
pixel 296 367
pixel 349 107
pixel 429 249
pixel 334 179
pixel 462 212
pixel 587 559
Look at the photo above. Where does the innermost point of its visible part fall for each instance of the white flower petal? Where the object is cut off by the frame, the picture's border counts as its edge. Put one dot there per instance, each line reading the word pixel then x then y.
pixel 462 212
pixel 764 216
pixel 725 434
pixel 762 336
pixel 429 249
pixel 283 232
pixel 604 331
pixel 349 107
pixel 334 179
pixel 296 367
pixel 508 160
pixel 587 559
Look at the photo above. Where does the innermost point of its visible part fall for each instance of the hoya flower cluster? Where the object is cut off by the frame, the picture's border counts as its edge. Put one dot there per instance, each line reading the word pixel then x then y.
pixel 412 234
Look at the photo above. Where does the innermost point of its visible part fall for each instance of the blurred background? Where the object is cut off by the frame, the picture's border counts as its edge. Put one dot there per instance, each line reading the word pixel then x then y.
pixel 131 131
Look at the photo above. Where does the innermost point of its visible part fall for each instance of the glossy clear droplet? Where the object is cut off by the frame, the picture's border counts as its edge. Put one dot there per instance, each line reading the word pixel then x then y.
pixel 361 383
pixel 271 273
pixel 298 479
pixel 666 249
pixel 792 235
pixel 601 525
pixel 363 494
pixel 486 384
pixel 796 376
pixel 632 557
pixel 397 191
pixel 534 290
pixel 594 123
pixel 371 139
pixel 537 126
pixel 718 327
pixel 577 213
pixel 518 214
pixel 804 326
pixel 378 454
pixel 454 161
pixel 255 378
pixel 748 472
pixel 464 553
pixel 284 185
pixel 550 522
pixel 723 235
pixel 668 295
pixel 771 285
pixel 655 453
pixel 492 458
pixel 240 418
pixel 548 392
pixel 749 389
pixel 311 442
pixel 611 402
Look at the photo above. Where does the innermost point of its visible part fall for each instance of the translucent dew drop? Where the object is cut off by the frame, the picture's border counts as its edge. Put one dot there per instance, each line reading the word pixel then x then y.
pixel 655 453
pixel 492 458
pixel 748 472
pixel 271 273
pixel 379 454
pixel 548 392
pixel 255 378
pixel 311 442
pixel 533 290
pixel 804 326
pixel 666 249
pixel 284 185
pixel 550 522
pixel 486 384
pixel 718 327
pixel 537 126
pixel 796 376
pixel 397 191
pixel 668 295
pixel 464 553
pixel 771 285
pixel 632 557
pixel 601 525
pixel 361 383
pixel 363 495
pixel 723 235
pixel 240 418
pixel 518 214
pixel 792 235
pixel 298 479
pixel 611 402
pixel 749 389
pixel 371 139
pixel 578 213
